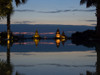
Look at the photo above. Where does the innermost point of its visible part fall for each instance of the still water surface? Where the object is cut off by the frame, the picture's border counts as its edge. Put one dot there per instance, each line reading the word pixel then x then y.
pixel 49 58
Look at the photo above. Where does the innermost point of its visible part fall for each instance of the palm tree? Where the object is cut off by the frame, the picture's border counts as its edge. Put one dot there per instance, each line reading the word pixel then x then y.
pixel 95 3
pixel 6 9
pixel 18 2
pixel 5 68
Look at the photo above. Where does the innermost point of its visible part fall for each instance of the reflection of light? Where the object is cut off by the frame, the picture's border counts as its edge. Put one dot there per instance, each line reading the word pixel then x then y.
pixel 36 41
pixel 51 43
pixel 8 41
pixel 31 33
pixel 8 36
pixel 57 41
pixel 47 33
pixel 31 43
pixel 63 39
pixel 24 43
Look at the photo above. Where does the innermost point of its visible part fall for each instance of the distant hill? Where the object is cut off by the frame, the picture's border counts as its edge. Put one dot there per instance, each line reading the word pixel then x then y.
pixel 68 29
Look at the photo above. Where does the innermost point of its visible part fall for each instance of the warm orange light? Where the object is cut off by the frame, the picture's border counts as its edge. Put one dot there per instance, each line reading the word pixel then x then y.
pixel 8 44
pixel 8 36
pixel 63 39
pixel 57 41
pixel 8 41
pixel 36 41
pixel 57 35
pixel 36 34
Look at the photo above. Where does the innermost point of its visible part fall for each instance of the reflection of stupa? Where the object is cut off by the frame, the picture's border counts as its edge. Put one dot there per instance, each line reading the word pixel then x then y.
pixel 57 42
pixel 57 34
pixel 36 42
pixel 63 36
pixel 36 36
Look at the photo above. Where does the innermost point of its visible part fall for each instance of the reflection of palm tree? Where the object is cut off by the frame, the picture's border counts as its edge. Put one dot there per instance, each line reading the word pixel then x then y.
pixel 97 45
pixel 8 51
pixel 98 59
pixel 95 3
pixel 5 68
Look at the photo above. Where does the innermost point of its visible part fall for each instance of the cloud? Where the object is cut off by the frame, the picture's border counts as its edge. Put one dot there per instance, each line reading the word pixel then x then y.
pixel 25 10
pixel 91 10
pixel 94 24
pixel 24 22
pixel 61 11
pixel 58 65
pixel 91 55
pixel 91 20
pixel 56 11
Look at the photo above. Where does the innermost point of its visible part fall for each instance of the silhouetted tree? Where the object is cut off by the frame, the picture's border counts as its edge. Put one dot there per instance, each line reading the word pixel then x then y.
pixel 95 3
pixel 6 9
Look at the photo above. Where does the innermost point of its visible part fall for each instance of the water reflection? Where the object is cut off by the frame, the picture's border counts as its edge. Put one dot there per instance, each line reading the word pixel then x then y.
pixel 36 41
pixel 6 68
pixel 97 63
pixel 97 48
pixel 57 42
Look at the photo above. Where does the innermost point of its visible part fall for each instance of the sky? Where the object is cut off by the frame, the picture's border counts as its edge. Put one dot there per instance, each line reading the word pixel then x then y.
pixel 60 12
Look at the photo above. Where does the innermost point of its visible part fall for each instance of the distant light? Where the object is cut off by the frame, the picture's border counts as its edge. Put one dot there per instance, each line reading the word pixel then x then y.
pixel 58 34
pixel 8 41
pixel 36 34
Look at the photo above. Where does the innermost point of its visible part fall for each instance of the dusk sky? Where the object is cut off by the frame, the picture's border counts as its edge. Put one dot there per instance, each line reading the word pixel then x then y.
pixel 64 12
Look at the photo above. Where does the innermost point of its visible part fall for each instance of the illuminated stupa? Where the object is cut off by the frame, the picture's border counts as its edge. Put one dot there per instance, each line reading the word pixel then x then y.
pixel 36 36
pixel 58 36
pixel 63 36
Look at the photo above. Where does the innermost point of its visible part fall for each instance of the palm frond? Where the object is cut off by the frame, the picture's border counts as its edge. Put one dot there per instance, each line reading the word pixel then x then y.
pixel 17 2
pixel 88 3
pixel 83 2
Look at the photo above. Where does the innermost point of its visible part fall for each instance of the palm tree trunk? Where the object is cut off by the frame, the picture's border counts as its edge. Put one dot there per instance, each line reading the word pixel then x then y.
pixel 98 20
pixel 8 26
pixel 98 59
pixel 8 38
pixel 8 51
